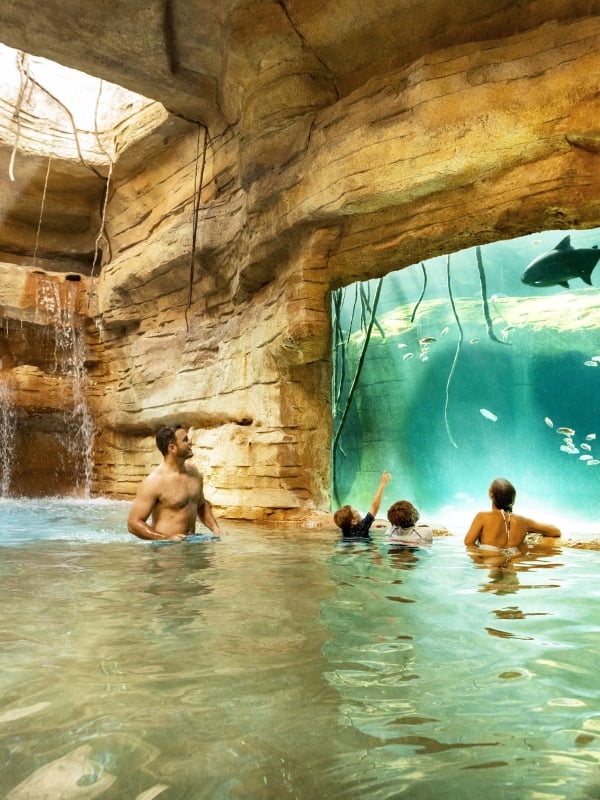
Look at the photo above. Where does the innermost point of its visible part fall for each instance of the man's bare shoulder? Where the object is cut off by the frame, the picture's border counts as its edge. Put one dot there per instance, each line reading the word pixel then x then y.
pixel 153 479
pixel 193 471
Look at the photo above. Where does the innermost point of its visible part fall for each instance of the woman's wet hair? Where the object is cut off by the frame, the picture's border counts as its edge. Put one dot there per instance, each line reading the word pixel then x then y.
pixel 166 436
pixel 402 514
pixel 503 494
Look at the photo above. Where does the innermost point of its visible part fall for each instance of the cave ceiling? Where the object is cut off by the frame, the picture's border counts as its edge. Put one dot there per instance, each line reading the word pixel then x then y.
pixel 198 57
pixel 248 68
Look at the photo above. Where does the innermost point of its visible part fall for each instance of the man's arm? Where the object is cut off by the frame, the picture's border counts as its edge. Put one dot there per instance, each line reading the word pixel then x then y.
pixel 145 500
pixel 204 508
pixel 206 516
pixel 385 478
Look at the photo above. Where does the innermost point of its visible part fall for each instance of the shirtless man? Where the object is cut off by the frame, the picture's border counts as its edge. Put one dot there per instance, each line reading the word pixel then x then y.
pixel 500 529
pixel 172 493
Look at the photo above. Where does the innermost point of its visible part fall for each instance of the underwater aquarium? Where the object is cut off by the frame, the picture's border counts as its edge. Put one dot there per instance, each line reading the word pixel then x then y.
pixel 471 366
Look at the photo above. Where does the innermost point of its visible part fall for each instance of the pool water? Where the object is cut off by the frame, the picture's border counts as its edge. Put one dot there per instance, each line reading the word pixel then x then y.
pixel 279 663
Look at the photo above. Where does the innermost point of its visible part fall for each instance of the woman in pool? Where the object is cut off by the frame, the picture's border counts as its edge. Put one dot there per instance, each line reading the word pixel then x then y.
pixel 500 529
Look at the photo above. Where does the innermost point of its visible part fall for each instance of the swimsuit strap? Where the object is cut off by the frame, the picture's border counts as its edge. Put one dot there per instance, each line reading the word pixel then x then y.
pixel 506 523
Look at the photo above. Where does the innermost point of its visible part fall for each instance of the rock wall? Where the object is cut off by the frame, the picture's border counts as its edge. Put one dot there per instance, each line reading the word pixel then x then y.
pixel 212 304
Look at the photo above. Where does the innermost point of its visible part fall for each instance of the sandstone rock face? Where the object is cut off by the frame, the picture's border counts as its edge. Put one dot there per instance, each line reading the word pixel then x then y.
pixel 305 146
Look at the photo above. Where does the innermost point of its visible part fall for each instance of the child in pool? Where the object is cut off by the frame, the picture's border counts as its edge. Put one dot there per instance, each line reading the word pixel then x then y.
pixel 403 518
pixel 349 519
pixel 500 529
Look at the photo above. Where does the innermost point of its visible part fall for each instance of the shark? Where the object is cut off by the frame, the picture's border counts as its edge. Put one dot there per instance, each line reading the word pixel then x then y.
pixel 560 265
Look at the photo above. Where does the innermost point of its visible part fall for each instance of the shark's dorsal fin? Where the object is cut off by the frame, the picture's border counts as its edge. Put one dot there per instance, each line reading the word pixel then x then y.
pixel 565 244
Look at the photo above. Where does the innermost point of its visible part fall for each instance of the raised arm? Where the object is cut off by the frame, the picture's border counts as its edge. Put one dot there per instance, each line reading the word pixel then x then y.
pixel 385 478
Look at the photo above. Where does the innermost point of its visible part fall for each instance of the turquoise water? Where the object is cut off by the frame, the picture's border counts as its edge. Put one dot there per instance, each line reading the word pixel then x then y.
pixel 450 397
pixel 279 663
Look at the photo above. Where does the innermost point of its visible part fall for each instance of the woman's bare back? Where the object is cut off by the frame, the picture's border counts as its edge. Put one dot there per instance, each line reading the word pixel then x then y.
pixel 503 529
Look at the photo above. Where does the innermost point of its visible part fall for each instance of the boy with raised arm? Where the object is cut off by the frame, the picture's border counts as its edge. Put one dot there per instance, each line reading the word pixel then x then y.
pixel 354 526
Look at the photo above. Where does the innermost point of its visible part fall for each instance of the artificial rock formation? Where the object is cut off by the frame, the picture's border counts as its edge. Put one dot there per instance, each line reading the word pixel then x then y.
pixel 293 147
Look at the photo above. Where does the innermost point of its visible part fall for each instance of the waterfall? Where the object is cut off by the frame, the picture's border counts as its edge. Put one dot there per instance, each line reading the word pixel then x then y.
pixel 58 303
pixel 8 425
pixel 81 445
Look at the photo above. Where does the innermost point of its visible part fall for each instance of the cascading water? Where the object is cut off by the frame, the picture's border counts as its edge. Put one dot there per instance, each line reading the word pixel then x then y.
pixel 58 303
pixel 8 425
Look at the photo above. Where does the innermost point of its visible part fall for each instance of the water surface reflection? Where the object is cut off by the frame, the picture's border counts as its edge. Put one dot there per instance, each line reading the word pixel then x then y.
pixel 275 663
pixel 461 692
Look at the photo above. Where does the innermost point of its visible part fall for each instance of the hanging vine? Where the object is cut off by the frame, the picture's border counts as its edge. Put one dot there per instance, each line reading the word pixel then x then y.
pixel 28 82
pixel 484 300
pixel 456 354
pixel 198 186
pixel 23 67
pixel 422 295
pixel 110 157
pixel 340 358
pixel 39 227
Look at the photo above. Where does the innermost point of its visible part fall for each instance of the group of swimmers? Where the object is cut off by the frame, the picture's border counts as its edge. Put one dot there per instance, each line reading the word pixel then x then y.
pixel 496 530
pixel 172 495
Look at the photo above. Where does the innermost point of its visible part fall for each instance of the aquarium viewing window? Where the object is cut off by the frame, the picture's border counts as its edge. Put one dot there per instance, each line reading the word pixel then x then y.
pixel 480 364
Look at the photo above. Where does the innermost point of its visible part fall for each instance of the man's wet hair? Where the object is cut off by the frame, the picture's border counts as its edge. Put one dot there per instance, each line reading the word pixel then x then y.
pixel 343 518
pixel 503 494
pixel 402 514
pixel 166 436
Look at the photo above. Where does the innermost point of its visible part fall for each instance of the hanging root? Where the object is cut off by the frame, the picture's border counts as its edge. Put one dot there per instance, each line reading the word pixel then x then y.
pixel 11 165
pixel 412 319
pixel 484 300
pixel 456 354
pixel 39 227
pixel 73 125
pixel 101 236
pixel 339 350
pixel 25 78
pixel 198 184
pixel 366 306
pixel 358 368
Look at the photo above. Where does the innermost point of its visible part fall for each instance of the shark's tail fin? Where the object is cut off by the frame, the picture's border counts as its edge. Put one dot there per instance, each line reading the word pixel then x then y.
pixel 586 272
